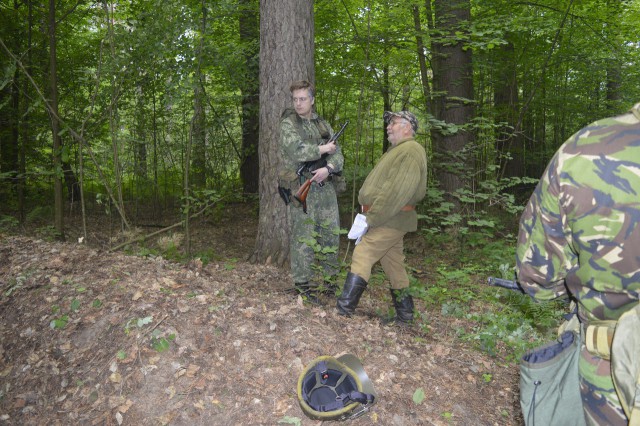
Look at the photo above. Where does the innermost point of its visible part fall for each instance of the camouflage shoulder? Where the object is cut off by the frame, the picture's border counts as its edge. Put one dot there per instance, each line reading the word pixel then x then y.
pixel 288 113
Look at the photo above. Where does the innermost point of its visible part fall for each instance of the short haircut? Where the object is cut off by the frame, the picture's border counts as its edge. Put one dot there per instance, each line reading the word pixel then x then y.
pixel 303 84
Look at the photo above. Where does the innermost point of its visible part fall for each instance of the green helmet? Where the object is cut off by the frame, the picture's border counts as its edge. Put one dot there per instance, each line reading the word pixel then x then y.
pixel 332 389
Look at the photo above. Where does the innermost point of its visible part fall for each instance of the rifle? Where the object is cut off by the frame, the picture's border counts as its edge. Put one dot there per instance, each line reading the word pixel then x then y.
pixel 508 284
pixel 310 166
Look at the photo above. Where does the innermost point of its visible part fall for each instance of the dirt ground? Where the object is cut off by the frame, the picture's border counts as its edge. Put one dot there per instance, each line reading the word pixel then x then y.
pixel 94 337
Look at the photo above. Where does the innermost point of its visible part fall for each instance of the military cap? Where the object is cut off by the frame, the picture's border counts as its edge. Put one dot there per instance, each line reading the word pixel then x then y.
pixel 388 115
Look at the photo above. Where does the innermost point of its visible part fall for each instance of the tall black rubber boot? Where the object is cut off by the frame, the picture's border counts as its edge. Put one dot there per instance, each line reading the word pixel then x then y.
pixel 353 288
pixel 403 304
pixel 308 292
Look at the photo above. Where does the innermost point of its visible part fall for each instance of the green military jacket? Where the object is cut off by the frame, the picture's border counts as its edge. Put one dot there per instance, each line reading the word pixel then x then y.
pixel 399 179
pixel 582 224
pixel 296 149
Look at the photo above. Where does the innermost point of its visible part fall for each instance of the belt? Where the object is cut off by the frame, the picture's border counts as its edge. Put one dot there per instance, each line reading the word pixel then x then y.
pixel 406 208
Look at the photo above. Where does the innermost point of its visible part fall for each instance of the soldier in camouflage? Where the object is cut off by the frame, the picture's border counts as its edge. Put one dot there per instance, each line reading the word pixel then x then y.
pixel 580 237
pixel 302 138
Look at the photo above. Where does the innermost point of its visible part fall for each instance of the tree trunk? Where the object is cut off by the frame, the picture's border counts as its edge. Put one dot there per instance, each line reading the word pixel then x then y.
pixel 510 141
pixel 198 174
pixel 422 60
pixel 249 38
pixel 55 125
pixel 286 54
pixel 453 81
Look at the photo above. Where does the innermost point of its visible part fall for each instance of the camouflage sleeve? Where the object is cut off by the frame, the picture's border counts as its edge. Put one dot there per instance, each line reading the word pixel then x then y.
pixel 294 149
pixel 336 159
pixel 544 254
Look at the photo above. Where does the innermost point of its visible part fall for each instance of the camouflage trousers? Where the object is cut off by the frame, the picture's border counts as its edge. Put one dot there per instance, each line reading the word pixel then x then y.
pixel 599 398
pixel 315 236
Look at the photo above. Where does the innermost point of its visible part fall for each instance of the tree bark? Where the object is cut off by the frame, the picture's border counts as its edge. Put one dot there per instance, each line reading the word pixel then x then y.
pixel 286 54
pixel 453 82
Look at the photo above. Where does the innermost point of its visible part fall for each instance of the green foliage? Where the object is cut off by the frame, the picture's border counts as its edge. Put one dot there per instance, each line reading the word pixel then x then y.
pixel 60 322
pixel 15 284
pixel 40 213
pixel 8 223
pixel 290 420
pixel 418 396
pixel 75 305
pixel 136 322
pixel 159 343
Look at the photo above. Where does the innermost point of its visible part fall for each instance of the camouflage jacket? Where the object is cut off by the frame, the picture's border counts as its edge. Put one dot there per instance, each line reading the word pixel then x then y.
pixel 295 150
pixel 582 224
pixel 399 179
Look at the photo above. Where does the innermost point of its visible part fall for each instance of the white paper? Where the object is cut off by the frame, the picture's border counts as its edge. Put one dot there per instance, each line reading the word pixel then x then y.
pixel 359 228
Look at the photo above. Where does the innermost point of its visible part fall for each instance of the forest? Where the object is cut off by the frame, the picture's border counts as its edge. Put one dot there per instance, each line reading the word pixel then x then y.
pixel 143 132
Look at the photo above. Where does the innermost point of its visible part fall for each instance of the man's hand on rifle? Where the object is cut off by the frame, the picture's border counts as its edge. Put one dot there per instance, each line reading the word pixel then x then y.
pixel 320 174
pixel 328 148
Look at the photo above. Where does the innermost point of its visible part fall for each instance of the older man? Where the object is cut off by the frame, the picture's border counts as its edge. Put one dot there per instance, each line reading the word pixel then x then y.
pixel 388 198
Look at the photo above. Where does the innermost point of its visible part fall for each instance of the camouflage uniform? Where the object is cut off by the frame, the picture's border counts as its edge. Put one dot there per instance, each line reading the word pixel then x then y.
pixel 322 221
pixel 580 234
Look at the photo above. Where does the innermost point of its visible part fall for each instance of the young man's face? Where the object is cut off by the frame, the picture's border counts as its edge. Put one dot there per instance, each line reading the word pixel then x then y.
pixel 302 102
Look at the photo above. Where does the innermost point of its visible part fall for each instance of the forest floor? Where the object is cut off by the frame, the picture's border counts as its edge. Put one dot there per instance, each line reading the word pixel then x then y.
pixel 95 337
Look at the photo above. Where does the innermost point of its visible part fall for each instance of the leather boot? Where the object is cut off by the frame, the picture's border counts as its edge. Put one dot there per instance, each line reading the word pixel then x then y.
pixel 348 301
pixel 308 292
pixel 403 304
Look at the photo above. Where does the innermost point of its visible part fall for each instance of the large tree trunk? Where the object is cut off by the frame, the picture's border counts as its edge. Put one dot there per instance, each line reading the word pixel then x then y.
pixel 55 125
pixel 250 37
pixel 286 54
pixel 453 81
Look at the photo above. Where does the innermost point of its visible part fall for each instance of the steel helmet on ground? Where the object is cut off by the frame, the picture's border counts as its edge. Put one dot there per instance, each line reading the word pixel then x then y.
pixel 335 388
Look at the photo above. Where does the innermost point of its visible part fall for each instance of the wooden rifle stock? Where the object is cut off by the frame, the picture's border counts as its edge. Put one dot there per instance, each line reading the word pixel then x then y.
pixel 302 193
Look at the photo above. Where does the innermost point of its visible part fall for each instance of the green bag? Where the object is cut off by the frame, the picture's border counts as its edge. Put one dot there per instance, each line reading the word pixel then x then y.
pixel 549 384
pixel 625 363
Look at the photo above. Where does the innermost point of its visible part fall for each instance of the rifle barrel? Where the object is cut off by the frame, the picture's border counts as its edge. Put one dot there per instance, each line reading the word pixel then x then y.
pixel 508 284
pixel 337 135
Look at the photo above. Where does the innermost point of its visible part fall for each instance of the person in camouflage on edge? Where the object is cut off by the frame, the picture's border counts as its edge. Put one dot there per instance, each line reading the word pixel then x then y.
pixel 580 237
pixel 302 138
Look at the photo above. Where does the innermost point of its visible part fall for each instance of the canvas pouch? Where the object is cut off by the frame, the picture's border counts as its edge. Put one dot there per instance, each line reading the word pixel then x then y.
pixel 549 383
pixel 625 363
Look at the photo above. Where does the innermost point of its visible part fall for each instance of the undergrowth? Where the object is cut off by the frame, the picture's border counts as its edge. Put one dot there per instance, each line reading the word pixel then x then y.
pixel 497 321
